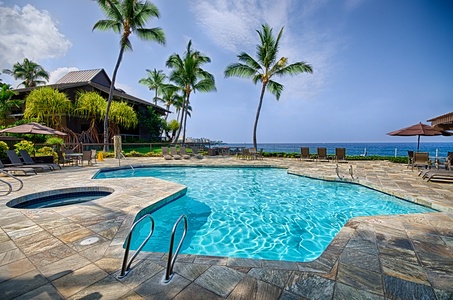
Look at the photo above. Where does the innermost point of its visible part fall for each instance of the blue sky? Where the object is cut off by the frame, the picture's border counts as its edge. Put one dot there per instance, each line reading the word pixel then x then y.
pixel 378 65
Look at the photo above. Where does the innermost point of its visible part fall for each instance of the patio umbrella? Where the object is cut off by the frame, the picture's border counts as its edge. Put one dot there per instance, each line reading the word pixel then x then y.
pixel 419 130
pixel 33 128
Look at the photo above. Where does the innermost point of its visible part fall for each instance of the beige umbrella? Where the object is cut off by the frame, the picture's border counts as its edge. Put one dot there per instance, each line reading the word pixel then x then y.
pixel 419 130
pixel 33 128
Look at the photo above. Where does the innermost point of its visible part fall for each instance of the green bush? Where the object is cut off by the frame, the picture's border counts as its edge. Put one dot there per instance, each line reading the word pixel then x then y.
pixel 54 141
pixel 3 148
pixel 25 145
pixel 47 151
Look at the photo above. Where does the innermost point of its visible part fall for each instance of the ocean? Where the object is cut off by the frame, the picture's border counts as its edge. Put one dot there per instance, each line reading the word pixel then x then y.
pixel 380 149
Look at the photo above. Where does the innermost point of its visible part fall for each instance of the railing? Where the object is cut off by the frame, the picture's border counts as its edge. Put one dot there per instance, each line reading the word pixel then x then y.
pixel 126 265
pixel 171 256
pixel 10 189
pixel 119 161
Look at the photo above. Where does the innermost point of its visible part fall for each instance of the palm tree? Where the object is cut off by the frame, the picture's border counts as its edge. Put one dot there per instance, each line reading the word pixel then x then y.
pixel 154 81
pixel 30 72
pixel 265 67
pixel 6 102
pixel 189 76
pixel 127 17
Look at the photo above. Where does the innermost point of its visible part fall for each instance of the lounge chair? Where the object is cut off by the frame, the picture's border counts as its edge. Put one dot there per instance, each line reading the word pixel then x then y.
pixel 174 153
pixel 183 153
pixel 29 161
pixel 322 154
pixel 438 175
pixel 421 159
pixel 340 155
pixel 305 154
pixel 15 161
pixel 14 170
pixel 195 153
pixel 165 153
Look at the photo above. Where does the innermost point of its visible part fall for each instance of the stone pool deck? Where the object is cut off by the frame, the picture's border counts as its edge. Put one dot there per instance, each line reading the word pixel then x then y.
pixel 75 252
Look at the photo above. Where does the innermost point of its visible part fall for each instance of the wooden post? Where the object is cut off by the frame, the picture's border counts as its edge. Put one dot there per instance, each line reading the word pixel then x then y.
pixel 117 147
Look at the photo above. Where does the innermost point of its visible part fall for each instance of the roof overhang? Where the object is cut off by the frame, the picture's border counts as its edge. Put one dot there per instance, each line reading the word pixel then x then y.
pixel 443 122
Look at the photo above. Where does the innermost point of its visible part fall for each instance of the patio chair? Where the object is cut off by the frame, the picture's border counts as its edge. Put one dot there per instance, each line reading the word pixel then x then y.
pixel 245 153
pixel 258 155
pixel 340 155
pixel 63 160
pixel 165 153
pixel 14 170
pixel 195 153
pixel 86 155
pixel 305 154
pixel 421 159
pixel 252 153
pixel 174 153
pixel 183 153
pixel 322 154
pixel 94 156
pixel 410 158
pixel 29 161
pixel 15 161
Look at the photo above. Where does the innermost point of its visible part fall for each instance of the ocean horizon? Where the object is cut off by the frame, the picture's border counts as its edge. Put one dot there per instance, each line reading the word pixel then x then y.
pixel 440 149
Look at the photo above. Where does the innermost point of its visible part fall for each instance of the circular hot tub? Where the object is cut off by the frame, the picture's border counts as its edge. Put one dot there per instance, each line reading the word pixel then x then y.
pixel 61 197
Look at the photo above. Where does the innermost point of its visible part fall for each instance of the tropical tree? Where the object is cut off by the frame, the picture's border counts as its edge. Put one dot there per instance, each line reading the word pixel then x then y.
pixel 31 73
pixel 121 114
pixel 155 81
pixel 6 101
pixel 265 67
pixel 126 17
pixel 189 76
pixel 47 105
pixel 90 105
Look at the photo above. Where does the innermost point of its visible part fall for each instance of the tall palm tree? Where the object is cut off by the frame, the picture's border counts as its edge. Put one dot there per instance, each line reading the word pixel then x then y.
pixel 6 101
pixel 126 17
pixel 265 67
pixel 31 73
pixel 190 76
pixel 154 81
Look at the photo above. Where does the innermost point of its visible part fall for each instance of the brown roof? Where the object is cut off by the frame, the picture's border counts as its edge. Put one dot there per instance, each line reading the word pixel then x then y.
pixel 444 122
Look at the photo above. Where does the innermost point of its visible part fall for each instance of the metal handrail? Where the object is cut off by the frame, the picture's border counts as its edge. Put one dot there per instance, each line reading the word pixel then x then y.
pixel 21 183
pixel 172 258
pixel 126 266
pixel 10 188
pixel 119 161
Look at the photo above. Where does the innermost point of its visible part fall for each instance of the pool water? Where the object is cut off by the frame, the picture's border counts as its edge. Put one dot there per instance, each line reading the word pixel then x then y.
pixel 259 213
pixel 62 199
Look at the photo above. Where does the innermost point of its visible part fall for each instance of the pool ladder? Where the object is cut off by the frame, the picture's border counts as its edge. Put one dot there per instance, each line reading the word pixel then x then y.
pixel 119 161
pixel 125 269
pixel 10 187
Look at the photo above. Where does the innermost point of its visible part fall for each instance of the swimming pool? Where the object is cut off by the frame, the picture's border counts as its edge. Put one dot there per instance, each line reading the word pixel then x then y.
pixel 259 213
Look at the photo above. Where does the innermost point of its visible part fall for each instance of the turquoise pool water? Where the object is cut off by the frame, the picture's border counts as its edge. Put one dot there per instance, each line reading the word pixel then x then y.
pixel 259 213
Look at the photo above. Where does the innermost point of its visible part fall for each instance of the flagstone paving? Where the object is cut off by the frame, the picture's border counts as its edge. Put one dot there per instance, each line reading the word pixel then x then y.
pixel 75 252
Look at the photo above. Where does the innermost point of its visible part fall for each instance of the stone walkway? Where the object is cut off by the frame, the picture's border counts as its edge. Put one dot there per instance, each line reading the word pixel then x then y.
pixel 75 251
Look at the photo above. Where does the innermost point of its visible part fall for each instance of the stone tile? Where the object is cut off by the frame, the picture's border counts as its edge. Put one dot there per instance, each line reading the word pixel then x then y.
pixel 48 256
pixel 63 266
pixel 46 291
pixel 68 226
pixel 78 280
pixel 346 292
pixel 107 288
pixel 7 246
pixel 131 296
pixel 21 230
pixel 211 260
pixel 11 256
pixel 154 288
pixel 310 286
pixel 196 292
pixel 396 288
pixel 190 271
pixel 75 235
pixel 360 259
pixel 360 278
pixel 244 262
pixel 22 284
pixel 38 243
pixel 441 280
pixel 109 265
pixel 220 280
pixel 251 288
pixel 141 271
pixel 92 246
pixel 276 277
pixel 404 269
pixel 15 269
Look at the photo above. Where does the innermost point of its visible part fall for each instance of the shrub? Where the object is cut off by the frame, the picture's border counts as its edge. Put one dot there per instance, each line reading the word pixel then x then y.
pixel 25 145
pixel 47 151
pixel 3 148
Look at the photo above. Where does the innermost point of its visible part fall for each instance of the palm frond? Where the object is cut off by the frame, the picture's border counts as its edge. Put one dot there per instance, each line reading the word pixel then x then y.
pixel 152 34
pixel 275 88
pixel 294 69
pixel 239 70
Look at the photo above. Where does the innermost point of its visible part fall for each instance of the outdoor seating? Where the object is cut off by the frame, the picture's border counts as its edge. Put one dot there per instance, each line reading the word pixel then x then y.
pixel 195 153
pixel 305 154
pixel 86 156
pixel 410 158
pixel 245 153
pixel 340 155
pixel 165 153
pixel 13 170
pixel 174 153
pixel 29 161
pixel 183 153
pixel 437 175
pixel 322 154
pixel 63 160
pixel 421 159
pixel 258 155
pixel 15 161
pixel 94 156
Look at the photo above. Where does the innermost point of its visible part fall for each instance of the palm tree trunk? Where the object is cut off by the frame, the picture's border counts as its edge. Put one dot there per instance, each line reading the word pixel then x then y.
pixel 182 118
pixel 109 101
pixel 155 97
pixel 258 115
pixel 185 121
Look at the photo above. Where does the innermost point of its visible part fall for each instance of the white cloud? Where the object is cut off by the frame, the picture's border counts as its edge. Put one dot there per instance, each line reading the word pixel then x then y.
pixel 56 75
pixel 29 33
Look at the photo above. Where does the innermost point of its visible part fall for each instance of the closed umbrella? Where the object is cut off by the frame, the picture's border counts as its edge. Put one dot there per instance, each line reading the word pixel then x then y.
pixel 418 130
